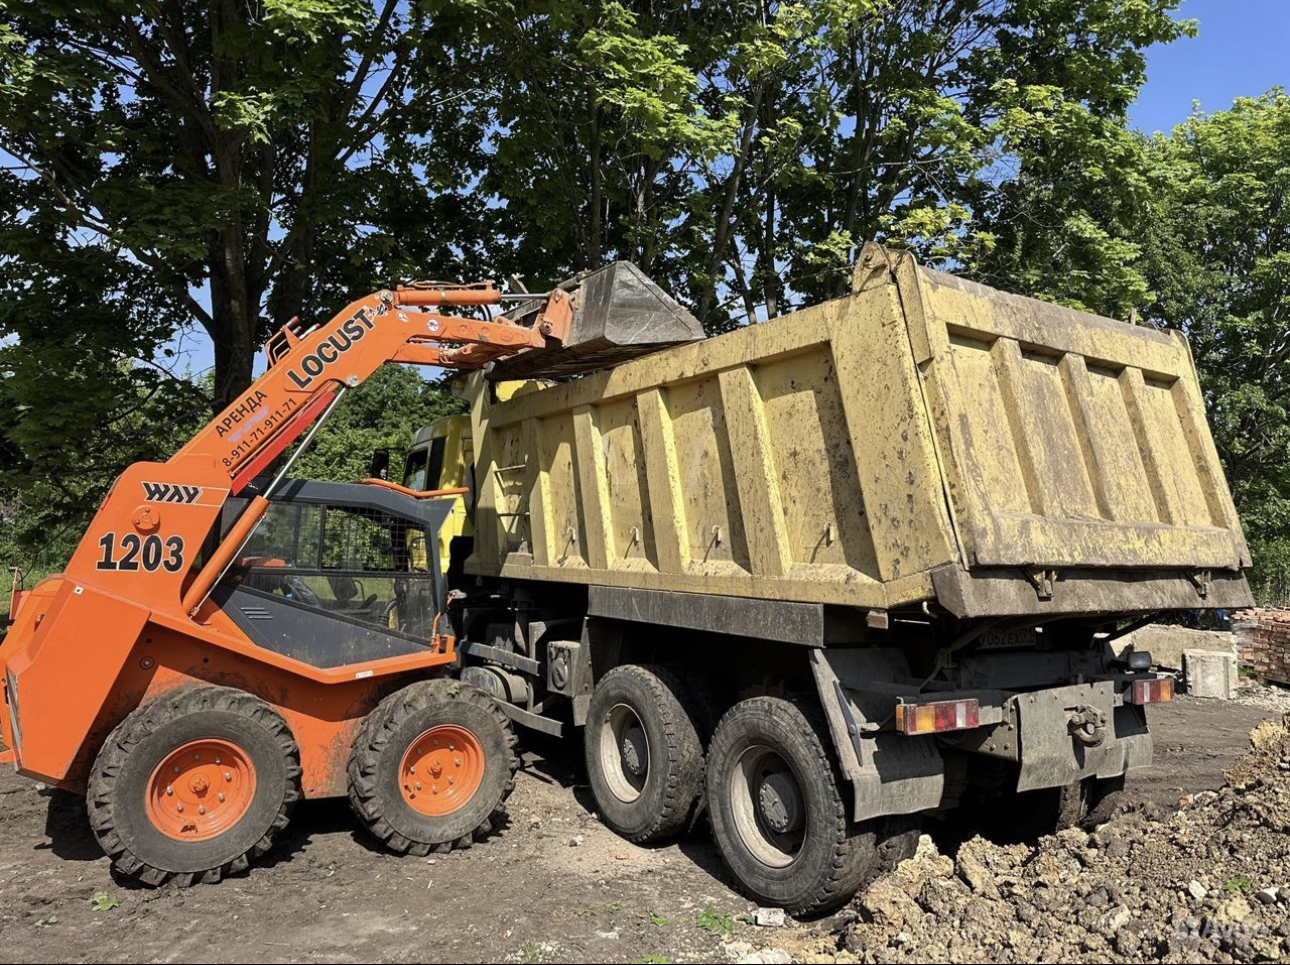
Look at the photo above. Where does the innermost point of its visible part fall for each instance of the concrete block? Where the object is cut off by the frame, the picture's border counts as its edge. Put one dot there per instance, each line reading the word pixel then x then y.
pixel 1210 674
pixel 1167 643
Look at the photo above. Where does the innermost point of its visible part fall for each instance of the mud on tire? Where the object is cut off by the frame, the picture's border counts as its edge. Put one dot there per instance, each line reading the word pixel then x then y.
pixel 778 813
pixel 123 782
pixel 644 740
pixel 386 798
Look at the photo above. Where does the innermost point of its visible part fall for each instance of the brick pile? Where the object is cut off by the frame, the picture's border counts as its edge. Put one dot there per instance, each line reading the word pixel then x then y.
pixel 1263 641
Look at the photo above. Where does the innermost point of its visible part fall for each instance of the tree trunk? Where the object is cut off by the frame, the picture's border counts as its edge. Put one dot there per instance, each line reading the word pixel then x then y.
pixel 234 311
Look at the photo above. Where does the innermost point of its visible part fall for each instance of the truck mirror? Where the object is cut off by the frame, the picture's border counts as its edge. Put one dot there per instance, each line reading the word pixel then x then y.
pixel 380 468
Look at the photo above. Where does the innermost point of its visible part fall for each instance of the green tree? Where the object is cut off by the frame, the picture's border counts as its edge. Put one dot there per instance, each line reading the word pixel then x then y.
pixel 741 150
pixel 1217 255
pixel 231 157
pixel 382 413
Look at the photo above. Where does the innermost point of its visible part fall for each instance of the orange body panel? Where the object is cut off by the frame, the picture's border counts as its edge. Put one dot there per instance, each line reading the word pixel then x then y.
pixel 116 629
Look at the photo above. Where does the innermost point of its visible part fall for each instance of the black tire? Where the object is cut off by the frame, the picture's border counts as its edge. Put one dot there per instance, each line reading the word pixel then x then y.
pixel 644 751
pixel 778 814
pixel 1027 816
pixel 1102 797
pixel 401 721
pixel 121 779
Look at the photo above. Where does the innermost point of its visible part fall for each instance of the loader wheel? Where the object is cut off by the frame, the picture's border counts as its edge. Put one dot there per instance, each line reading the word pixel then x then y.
pixel 432 767
pixel 778 814
pixel 644 751
pixel 193 786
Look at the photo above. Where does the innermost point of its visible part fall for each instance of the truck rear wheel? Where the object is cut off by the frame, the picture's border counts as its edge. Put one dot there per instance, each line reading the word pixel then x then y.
pixel 432 767
pixel 777 812
pixel 644 751
pixel 193 786
pixel 1026 816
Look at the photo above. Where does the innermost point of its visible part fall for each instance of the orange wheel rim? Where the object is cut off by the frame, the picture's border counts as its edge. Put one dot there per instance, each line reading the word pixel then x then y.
pixel 441 770
pixel 200 790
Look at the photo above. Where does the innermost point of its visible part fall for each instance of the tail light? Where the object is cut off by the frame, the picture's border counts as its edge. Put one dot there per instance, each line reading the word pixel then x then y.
pixel 1158 691
pixel 938 716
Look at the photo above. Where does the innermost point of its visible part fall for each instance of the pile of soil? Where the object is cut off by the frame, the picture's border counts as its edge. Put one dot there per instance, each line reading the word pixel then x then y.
pixel 1209 882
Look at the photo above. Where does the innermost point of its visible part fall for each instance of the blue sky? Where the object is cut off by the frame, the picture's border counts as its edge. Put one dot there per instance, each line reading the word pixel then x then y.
pixel 1243 49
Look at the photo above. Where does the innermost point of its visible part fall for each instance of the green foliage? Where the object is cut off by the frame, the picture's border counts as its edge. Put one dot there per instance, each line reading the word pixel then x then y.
pixel 740 151
pixel 709 919
pixel 1239 884
pixel 1270 580
pixel 658 920
pixel 241 153
pixel 383 412
pixel 102 901
pixel 1217 243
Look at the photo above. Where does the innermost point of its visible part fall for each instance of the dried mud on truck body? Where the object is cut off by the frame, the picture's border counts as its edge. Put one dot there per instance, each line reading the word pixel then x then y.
pixel 838 571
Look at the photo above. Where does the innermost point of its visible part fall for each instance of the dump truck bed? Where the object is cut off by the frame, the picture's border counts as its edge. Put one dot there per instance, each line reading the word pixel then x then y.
pixel 922 439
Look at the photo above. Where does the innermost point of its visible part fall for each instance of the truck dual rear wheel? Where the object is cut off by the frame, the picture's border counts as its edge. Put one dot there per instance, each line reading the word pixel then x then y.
pixel 778 814
pixel 1029 815
pixel 432 767
pixel 193 786
pixel 644 748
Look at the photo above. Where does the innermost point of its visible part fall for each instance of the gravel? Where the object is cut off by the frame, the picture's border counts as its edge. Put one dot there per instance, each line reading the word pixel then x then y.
pixel 1207 883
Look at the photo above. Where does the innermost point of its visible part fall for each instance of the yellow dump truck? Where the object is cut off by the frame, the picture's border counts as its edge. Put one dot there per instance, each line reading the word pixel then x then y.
pixel 829 574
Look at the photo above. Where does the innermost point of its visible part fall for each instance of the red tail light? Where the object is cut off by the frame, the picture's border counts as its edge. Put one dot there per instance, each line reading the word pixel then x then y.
pixel 938 716
pixel 1158 691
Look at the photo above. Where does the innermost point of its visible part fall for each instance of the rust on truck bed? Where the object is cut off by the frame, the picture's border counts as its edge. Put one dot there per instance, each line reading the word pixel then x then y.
pixel 924 439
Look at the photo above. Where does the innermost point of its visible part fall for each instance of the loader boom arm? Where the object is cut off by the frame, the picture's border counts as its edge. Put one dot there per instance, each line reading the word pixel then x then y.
pixel 306 368
pixel 150 541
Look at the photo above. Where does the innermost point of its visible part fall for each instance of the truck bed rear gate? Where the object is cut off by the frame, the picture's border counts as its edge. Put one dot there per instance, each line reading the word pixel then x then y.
pixel 1066 440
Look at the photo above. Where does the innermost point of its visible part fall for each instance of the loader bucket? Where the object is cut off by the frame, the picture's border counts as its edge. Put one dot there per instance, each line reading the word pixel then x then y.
pixel 618 315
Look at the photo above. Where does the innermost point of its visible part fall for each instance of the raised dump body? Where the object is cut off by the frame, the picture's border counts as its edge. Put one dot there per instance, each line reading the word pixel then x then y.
pixel 923 439
pixel 867 559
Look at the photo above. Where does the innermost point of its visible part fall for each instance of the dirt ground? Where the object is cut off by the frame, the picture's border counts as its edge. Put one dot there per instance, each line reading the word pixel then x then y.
pixel 552 886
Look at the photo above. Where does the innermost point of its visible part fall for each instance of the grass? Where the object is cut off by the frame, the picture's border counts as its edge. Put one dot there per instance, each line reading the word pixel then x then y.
pixel 659 920
pixel 1240 883
pixel 591 911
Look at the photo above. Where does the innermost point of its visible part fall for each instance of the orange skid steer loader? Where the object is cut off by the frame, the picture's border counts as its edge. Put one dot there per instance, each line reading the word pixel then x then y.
pixel 220 647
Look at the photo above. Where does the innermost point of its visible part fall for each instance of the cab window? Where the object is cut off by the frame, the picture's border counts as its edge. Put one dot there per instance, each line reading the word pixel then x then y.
pixel 414 476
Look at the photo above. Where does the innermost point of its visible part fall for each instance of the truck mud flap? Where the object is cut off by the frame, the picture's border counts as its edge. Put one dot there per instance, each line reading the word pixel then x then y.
pixel 889 773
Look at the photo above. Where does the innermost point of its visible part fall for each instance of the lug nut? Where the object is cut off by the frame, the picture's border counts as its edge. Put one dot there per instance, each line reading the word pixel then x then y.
pixel 179 807
pixel 221 797
pixel 228 776
pixel 169 789
pixel 418 785
pixel 201 810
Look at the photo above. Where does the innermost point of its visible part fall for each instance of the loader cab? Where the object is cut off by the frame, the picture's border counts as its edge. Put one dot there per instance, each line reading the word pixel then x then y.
pixel 336 574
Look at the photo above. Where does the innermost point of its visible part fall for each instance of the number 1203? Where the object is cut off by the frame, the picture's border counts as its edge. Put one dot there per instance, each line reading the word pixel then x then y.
pixel 134 553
